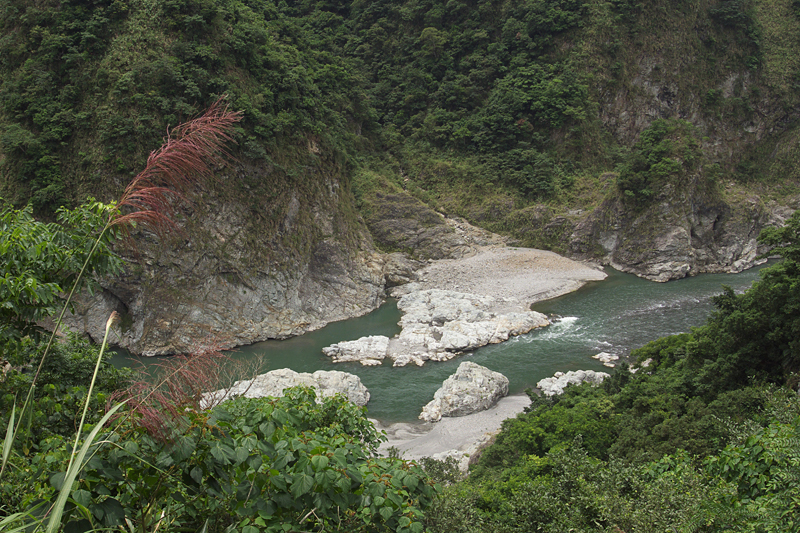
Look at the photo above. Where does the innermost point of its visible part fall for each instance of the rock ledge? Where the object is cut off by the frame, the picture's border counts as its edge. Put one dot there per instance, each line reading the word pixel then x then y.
pixel 439 325
pixel 560 380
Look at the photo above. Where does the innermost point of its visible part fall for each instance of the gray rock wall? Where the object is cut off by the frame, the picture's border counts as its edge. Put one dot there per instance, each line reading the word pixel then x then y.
pixel 245 266
pixel 683 233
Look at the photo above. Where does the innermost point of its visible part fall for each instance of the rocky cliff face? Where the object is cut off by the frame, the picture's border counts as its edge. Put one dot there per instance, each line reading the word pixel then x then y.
pixel 246 267
pixel 682 234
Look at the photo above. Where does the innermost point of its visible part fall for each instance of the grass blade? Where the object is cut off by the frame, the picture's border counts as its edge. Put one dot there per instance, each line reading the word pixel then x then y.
pixel 11 519
pixel 54 523
pixel 9 440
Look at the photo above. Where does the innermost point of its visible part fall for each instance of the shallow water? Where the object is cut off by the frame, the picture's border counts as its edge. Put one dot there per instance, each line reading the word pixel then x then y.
pixel 616 315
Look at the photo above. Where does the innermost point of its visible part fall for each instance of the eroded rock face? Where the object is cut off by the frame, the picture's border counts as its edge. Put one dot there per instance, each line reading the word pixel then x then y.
pixel 401 222
pixel 682 234
pixel 327 383
pixel 400 269
pixel 685 231
pixel 559 381
pixel 471 389
pixel 242 270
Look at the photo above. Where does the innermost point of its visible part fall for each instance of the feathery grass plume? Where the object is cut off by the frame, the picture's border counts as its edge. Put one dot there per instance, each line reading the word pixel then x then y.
pixel 186 159
pixel 158 406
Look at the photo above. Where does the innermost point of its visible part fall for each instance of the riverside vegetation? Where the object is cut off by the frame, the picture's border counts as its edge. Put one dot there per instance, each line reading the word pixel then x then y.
pixel 705 438
pixel 166 461
pixel 519 116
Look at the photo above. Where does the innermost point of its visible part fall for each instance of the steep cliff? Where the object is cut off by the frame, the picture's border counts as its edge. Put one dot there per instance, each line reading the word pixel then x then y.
pixel 244 269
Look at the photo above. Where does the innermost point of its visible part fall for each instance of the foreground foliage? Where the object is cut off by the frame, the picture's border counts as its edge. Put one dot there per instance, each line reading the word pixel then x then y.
pixel 247 465
pixel 41 261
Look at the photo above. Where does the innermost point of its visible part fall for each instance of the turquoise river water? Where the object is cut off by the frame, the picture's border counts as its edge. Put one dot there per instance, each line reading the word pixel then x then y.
pixel 616 315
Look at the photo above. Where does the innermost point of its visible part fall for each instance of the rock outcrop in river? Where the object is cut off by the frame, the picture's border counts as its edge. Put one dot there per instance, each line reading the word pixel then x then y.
pixel 438 325
pixel 556 384
pixel 471 389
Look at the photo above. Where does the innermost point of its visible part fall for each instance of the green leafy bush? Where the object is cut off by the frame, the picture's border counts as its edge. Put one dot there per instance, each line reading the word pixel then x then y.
pixel 249 465
pixel 666 152
pixel 41 261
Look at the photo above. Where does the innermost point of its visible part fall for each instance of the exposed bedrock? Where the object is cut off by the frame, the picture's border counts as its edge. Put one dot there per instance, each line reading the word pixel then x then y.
pixel 439 325
pixel 471 389
pixel 683 232
pixel 556 384
pixel 244 268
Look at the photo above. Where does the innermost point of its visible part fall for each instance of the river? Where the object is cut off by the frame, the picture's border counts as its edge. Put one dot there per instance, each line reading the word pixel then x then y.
pixel 616 315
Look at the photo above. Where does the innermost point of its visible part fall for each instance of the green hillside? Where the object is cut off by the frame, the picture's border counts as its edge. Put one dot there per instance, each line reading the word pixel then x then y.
pixel 473 102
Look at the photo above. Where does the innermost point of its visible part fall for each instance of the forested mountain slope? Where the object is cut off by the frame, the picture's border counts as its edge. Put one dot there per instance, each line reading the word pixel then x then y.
pixel 659 137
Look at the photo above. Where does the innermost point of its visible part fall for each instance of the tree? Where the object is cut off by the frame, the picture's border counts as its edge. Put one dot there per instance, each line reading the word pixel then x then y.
pixel 41 261
pixel 755 334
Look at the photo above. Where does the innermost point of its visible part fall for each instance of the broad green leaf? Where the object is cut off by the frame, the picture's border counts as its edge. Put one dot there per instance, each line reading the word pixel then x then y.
pixel 82 497
pixel 301 485
pixel 197 474
pixel 241 455
pixel 319 462
pixel 111 512
pixel 386 512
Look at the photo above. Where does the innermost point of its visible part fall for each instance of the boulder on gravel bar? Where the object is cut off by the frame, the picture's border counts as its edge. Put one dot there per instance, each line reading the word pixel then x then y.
pixel 326 382
pixel 471 389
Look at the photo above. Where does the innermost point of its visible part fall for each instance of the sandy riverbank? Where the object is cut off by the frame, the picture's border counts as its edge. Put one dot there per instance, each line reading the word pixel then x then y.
pixel 459 437
pixel 523 276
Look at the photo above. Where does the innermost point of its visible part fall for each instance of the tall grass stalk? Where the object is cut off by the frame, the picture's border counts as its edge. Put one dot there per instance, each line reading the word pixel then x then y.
pixel 110 322
pixel 57 511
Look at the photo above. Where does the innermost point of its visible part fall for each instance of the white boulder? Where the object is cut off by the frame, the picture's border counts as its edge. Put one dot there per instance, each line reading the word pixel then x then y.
pixel 366 350
pixel 326 382
pixel 439 325
pixel 606 358
pixel 471 389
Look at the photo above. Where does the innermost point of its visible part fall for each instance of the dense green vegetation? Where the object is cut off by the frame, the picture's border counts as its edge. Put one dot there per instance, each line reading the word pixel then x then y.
pixel 467 99
pixel 704 437
pixel 171 459
pixel 477 107
pixel 247 465
pixel 42 261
